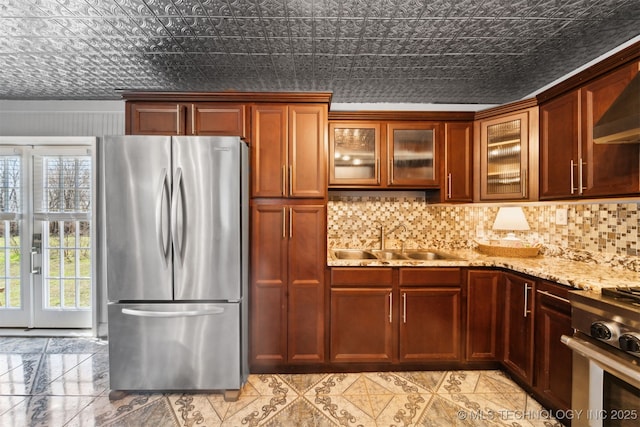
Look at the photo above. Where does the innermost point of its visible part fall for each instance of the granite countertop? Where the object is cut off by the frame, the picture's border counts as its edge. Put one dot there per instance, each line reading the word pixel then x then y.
pixel 579 275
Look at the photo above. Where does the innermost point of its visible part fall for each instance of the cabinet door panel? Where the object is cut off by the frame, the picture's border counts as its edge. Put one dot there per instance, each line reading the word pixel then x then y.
pixel 484 323
pixel 354 153
pixel 268 154
pixel 504 153
pixel 458 152
pixel 412 154
pixel 610 169
pixel 268 284
pixel 307 151
pixel 156 118
pixel 518 328
pixel 217 119
pixel 430 324
pixel 361 325
pixel 553 360
pixel 559 140
pixel 307 255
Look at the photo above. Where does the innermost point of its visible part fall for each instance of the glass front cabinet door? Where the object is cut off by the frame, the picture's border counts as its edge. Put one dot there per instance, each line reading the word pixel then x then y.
pixel 412 154
pixel 503 163
pixel 354 154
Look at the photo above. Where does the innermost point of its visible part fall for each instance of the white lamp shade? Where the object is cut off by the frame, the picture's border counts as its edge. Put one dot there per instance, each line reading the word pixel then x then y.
pixel 510 218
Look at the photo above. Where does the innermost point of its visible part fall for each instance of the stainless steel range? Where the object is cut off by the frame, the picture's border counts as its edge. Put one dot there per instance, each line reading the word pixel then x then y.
pixel 606 357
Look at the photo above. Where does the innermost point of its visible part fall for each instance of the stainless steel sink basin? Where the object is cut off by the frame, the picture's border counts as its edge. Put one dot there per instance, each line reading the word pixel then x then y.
pixel 429 255
pixel 353 254
pixel 389 255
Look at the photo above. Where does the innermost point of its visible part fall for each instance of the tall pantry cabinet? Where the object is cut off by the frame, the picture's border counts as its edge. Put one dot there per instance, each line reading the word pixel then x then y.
pixel 288 229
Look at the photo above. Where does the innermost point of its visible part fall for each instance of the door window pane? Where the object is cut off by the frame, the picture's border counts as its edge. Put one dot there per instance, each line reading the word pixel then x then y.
pixel 504 158
pixel 68 273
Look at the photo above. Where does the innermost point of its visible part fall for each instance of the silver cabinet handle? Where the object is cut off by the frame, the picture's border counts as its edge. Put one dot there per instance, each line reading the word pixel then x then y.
pixel 290 180
pixel 404 307
pixel 549 294
pixel 283 180
pixel 527 288
pixel 176 233
pixel 290 223
pixel 188 313
pixel 162 201
pixel 449 185
pixel 391 307
pixel 580 177
pixel 524 183
pixel 284 223
pixel 573 184
pixel 378 171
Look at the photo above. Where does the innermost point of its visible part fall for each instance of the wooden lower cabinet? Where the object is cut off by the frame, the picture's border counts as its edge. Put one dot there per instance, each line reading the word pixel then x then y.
pixel 485 304
pixel 553 360
pixel 395 315
pixel 361 315
pixel 288 253
pixel 361 325
pixel 518 326
pixel 430 324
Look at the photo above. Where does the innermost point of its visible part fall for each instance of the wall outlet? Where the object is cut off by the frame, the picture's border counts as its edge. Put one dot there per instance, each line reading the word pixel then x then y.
pixel 561 217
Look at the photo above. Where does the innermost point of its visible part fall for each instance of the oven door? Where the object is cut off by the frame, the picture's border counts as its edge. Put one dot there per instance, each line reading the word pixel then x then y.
pixel 606 385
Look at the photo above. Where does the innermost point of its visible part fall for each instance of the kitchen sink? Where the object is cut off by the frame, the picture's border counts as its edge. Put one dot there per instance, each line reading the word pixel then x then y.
pixel 429 256
pixel 353 254
pixel 389 255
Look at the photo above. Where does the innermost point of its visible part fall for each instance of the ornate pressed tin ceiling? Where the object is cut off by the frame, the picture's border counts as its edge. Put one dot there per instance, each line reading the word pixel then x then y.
pixel 438 51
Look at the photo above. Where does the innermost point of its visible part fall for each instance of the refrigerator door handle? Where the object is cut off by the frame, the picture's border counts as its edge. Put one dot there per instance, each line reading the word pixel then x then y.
pixel 177 233
pixel 162 203
pixel 187 313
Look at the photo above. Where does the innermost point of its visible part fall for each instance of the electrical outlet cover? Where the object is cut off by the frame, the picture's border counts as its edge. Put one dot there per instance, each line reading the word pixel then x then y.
pixel 561 217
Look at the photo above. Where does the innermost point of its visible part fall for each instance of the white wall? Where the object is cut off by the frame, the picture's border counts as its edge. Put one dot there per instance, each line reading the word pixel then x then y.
pixel 61 118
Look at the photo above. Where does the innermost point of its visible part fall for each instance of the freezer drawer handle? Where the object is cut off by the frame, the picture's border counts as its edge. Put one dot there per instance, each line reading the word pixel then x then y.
pixel 188 313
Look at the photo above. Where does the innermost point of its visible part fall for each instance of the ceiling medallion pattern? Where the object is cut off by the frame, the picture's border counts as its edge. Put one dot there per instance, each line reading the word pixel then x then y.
pixel 439 51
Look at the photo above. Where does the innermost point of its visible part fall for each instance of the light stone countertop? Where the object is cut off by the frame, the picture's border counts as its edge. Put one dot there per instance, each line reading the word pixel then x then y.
pixel 579 275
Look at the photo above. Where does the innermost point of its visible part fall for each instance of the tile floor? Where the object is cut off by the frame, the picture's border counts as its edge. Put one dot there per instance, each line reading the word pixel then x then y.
pixel 65 382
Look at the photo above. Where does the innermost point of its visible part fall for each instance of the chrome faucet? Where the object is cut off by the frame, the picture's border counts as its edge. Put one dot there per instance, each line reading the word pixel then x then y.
pixel 383 234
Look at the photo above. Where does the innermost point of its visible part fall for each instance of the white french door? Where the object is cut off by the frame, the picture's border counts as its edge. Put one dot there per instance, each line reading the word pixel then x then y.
pixel 46 236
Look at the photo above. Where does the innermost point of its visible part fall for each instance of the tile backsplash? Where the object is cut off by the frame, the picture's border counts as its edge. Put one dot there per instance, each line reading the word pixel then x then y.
pixel 604 232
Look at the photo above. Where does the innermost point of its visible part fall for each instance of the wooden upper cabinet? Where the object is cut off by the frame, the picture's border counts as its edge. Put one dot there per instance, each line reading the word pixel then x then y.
pixel 376 154
pixel 222 119
pixel 458 162
pixel 609 169
pixel 559 147
pixel 289 151
pixel 354 153
pixel 412 154
pixel 197 118
pixel 307 152
pixel 508 168
pixel 269 151
pixel 155 118
pixel 571 163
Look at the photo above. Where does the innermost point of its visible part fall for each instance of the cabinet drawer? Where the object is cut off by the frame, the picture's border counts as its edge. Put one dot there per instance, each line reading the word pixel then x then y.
pixel 361 276
pixel 430 276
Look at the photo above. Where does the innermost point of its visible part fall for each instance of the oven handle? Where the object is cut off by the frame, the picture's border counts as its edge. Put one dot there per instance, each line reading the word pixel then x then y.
pixel 608 361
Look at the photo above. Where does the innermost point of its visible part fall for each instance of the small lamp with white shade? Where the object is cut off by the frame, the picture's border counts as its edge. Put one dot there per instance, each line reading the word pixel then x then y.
pixel 511 219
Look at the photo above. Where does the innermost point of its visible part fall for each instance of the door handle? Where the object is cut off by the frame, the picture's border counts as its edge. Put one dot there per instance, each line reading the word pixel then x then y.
pixel 390 307
pixel 404 307
pixel 34 269
pixel 163 241
pixel 527 288
pixel 449 190
pixel 176 233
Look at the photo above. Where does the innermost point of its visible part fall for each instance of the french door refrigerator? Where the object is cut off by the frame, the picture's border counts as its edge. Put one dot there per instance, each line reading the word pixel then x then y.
pixel 176 213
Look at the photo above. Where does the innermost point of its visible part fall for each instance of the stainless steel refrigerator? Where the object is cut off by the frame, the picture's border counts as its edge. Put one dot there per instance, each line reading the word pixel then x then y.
pixel 176 212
